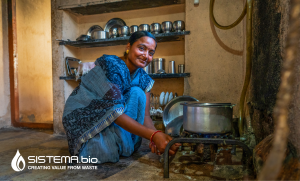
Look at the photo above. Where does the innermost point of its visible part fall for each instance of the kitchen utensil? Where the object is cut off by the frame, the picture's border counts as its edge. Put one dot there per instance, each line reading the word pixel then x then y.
pixel 166 98
pixel 166 26
pixel 174 128
pixel 94 28
pixel 170 97
pixel 134 28
pixel 123 31
pixel 113 33
pixel 178 26
pixel 158 64
pixel 207 118
pixel 161 98
pixel 100 35
pixel 161 71
pixel 114 23
pixel 83 38
pixel 155 28
pixel 173 109
pixel 72 65
pixel 156 102
pixel 172 67
pixel 175 95
pixel 147 69
pixel 181 68
pixel 144 27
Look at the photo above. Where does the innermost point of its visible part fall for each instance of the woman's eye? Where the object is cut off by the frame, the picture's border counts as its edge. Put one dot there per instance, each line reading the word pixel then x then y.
pixel 141 48
pixel 151 53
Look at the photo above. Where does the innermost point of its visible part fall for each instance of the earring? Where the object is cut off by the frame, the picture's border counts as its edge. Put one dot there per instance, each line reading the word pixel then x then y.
pixel 127 51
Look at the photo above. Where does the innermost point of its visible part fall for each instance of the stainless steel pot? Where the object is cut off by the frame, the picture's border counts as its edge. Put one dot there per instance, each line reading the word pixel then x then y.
pixel 158 64
pixel 207 118
pixel 100 35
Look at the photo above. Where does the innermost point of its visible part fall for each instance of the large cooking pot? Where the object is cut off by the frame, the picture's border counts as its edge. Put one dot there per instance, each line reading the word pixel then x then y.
pixel 207 118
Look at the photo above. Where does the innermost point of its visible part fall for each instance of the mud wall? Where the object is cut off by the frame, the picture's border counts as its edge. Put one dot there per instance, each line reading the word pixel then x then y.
pixel 215 57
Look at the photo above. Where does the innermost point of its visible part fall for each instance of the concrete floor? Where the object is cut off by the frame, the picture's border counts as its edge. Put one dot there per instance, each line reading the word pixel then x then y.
pixel 142 165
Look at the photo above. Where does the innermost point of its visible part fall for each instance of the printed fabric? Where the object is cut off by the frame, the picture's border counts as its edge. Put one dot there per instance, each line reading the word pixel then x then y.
pixel 99 99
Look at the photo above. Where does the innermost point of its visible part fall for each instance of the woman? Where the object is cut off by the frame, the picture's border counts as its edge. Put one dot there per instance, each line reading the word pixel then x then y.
pixel 108 113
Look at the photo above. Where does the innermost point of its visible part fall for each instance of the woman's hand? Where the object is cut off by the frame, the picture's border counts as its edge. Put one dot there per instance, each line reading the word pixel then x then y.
pixel 160 142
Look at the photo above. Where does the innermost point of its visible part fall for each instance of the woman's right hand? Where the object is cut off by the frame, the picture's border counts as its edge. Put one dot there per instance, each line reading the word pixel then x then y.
pixel 161 140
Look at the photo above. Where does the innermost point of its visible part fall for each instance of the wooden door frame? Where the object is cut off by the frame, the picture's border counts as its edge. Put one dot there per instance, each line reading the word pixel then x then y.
pixel 13 71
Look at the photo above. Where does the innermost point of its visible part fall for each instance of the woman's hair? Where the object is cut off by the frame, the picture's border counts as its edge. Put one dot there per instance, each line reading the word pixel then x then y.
pixel 139 34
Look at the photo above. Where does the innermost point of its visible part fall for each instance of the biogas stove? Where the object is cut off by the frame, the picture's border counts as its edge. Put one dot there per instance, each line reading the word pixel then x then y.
pixel 204 146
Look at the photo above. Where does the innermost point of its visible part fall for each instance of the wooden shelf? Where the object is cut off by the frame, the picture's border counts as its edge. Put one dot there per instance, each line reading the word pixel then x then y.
pixel 162 37
pixel 109 6
pixel 154 76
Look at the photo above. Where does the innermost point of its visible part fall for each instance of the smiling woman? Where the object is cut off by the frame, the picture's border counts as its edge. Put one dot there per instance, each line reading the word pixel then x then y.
pixel 108 113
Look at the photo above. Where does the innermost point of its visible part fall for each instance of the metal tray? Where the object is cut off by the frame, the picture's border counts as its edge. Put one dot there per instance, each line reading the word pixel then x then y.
pixel 115 22
pixel 173 109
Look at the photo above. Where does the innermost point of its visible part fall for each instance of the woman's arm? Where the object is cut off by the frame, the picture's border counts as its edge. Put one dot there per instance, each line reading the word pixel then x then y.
pixel 160 139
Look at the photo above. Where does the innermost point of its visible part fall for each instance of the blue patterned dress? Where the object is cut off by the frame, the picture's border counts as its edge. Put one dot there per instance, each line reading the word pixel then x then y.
pixel 105 93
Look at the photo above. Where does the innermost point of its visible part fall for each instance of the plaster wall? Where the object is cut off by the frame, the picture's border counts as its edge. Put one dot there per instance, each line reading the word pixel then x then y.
pixel 35 60
pixel 5 116
pixel 217 73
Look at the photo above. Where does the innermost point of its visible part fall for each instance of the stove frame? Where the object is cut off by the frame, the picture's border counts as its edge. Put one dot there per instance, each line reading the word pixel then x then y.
pixel 246 149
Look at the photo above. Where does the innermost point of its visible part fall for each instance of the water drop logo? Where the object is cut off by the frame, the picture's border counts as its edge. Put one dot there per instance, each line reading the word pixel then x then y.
pixel 15 163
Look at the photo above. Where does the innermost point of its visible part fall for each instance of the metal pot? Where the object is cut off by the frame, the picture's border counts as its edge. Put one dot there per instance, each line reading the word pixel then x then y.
pixel 207 118
pixel 158 64
pixel 100 35
pixel 144 27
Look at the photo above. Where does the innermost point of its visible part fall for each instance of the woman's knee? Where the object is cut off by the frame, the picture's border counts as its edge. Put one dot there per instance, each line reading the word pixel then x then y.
pixel 136 91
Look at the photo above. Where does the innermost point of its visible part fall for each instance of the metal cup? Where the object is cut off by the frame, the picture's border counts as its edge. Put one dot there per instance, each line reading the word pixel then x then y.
pixel 155 28
pixel 123 31
pixel 172 69
pixel 134 28
pixel 113 33
pixel 144 27
pixel 181 68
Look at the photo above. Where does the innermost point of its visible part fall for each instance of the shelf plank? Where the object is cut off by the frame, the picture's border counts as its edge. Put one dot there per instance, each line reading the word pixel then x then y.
pixel 162 37
pixel 154 76
pixel 109 6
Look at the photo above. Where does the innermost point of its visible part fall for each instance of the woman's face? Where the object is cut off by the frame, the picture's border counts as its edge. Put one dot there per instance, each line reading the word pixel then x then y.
pixel 141 52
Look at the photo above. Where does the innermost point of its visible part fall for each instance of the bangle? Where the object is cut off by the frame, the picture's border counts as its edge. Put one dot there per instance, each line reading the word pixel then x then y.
pixel 153 135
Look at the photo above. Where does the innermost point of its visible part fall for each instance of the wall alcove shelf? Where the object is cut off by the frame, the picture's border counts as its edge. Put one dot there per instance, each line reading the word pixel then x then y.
pixel 162 37
pixel 109 6
pixel 154 76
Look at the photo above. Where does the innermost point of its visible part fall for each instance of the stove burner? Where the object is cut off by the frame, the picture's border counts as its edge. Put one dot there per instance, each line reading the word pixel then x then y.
pixel 206 140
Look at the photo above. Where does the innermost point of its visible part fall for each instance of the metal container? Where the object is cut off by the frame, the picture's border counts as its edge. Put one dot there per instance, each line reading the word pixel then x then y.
pixel 134 28
pixel 172 69
pixel 123 31
pixel 207 118
pixel 113 33
pixel 83 38
pixel 100 35
pixel 181 68
pixel 147 69
pixel 178 26
pixel 166 26
pixel 144 27
pixel 158 64
pixel 155 28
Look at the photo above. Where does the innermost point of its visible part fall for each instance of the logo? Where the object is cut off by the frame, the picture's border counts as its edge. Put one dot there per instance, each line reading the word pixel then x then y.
pixel 15 163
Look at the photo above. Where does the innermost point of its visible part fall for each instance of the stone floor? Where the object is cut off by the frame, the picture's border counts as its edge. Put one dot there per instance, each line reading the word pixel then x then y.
pixel 142 165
